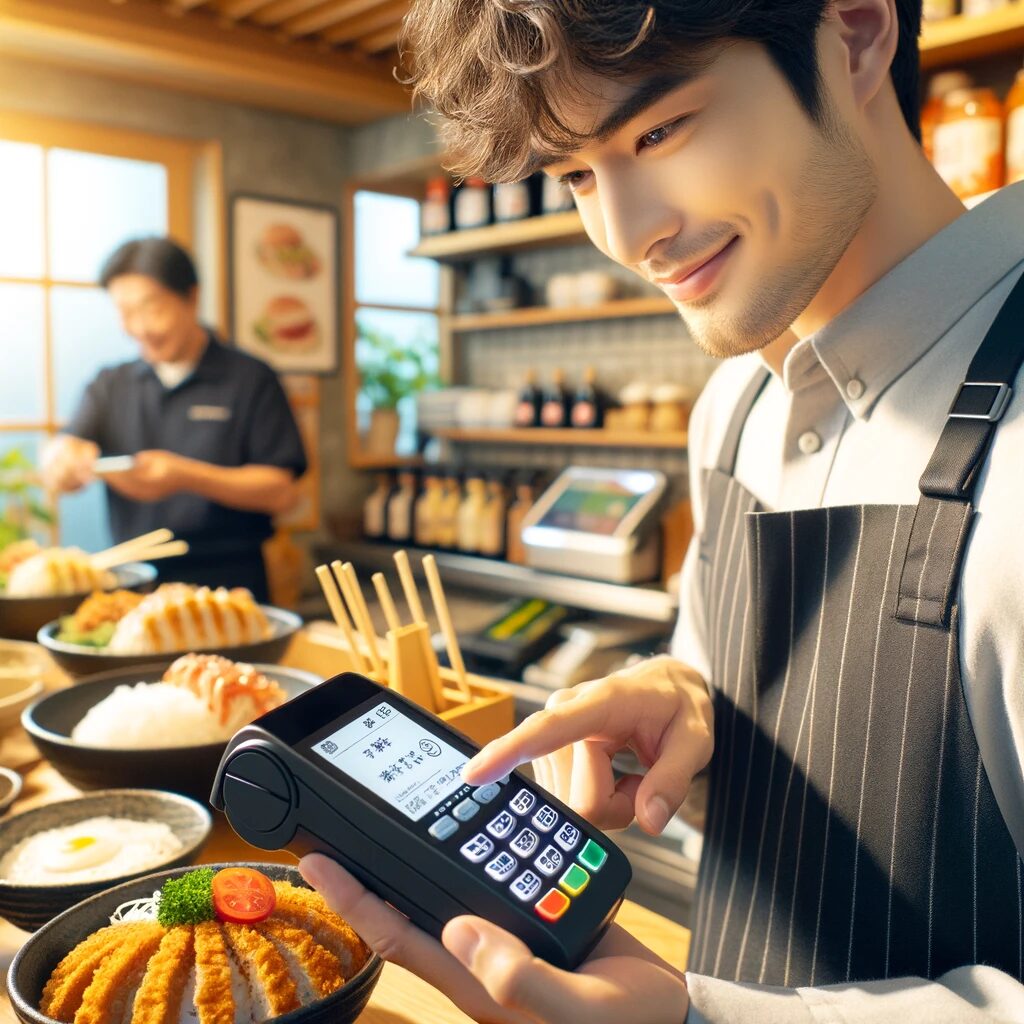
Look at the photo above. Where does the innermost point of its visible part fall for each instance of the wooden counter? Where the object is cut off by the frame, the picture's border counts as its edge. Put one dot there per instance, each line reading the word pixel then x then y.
pixel 399 998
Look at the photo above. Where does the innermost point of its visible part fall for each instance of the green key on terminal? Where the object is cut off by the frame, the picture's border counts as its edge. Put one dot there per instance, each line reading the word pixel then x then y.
pixel 592 855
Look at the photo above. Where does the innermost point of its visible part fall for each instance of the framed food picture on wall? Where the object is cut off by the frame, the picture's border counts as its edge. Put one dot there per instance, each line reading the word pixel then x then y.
pixel 284 274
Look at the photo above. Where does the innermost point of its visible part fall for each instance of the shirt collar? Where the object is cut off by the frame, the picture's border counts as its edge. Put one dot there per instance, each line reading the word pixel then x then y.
pixel 898 319
pixel 211 365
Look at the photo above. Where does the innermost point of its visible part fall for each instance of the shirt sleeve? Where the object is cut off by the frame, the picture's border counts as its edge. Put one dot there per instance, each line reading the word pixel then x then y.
pixel 89 419
pixel 273 437
pixel 968 995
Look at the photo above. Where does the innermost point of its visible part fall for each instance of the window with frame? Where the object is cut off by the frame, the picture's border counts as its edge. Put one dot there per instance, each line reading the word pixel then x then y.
pixel 395 307
pixel 71 194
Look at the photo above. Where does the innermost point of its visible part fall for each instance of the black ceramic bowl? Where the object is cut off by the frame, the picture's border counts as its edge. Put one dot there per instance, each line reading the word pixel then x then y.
pixel 31 906
pixel 21 617
pixel 36 960
pixel 189 770
pixel 79 660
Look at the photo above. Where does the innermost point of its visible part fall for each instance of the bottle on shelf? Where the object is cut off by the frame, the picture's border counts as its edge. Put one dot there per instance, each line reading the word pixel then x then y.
pixel 939 87
pixel 555 404
pixel 974 7
pixel 472 204
pixel 374 508
pixel 446 530
pixel 513 200
pixel 938 10
pixel 1015 131
pixel 524 499
pixel 528 404
pixel 400 509
pixel 492 518
pixel 588 405
pixel 969 142
pixel 470 515
pixel 425 511
pixel 436 211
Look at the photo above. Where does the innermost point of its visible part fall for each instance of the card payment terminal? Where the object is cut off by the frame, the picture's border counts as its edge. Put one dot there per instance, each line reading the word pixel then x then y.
pixel 357 772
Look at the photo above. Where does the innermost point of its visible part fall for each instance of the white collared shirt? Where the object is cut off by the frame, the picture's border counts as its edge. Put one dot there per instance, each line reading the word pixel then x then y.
pixel 853 420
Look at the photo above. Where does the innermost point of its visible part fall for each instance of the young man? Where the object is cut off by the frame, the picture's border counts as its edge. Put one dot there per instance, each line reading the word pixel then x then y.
pixel 215 444
pixel 852 596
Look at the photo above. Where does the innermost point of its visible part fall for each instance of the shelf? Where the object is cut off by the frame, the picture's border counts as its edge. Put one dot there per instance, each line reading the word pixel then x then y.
pixel 647 602
pixel 551 229
pixel 648 306
pixel 577 438
pixel 969 37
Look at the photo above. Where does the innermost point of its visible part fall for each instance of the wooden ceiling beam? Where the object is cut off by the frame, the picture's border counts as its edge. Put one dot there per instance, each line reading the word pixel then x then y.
pixel 386 14
pixel 281 10
pixel 378 42
pixel 325 15
pixel 235 10
pixel 242 64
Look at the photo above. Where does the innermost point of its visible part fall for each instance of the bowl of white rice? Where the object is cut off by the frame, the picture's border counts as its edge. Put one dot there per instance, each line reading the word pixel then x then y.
pixel 128 728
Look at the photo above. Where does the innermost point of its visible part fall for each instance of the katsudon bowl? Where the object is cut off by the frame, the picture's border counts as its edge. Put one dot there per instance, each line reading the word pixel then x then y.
pixel 189 770
pixel 34 963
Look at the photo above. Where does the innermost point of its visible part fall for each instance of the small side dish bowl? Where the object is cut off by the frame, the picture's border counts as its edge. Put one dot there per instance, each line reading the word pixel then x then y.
pixel 22 667
pixel 30 906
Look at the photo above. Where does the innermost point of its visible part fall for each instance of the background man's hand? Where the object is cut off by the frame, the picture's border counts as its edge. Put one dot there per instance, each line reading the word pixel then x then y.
pixel 659 709
pixel 67 463
pixel 494 978
pixel 155 475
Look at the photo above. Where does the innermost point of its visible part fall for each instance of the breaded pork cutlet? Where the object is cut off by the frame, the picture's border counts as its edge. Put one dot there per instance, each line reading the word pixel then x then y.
pixel 306 909
pixel 274 991
pixel 317 969
pixel 163 985
pixel 215 1001
pixel 105 1001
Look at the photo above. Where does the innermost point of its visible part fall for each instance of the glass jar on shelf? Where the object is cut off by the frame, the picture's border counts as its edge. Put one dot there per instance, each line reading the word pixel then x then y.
pixel 969 142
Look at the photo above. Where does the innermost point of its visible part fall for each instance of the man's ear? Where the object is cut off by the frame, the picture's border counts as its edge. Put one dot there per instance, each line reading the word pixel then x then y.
pixel 869 32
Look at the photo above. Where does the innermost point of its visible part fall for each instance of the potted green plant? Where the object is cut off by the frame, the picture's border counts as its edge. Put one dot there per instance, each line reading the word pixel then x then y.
pixel 389 372
pixel 22 512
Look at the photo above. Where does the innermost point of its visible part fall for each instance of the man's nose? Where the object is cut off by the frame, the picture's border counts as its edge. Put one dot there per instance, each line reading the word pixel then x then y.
pixel 635 219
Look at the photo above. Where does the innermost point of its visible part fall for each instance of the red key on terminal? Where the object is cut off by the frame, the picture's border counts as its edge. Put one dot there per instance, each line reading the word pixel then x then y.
pixel 553 906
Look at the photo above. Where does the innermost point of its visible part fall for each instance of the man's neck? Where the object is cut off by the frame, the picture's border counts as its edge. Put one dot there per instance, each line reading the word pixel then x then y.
pixel 913 205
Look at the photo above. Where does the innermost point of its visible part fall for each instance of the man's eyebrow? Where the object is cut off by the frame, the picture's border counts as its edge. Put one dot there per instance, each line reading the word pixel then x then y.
pixel 645 95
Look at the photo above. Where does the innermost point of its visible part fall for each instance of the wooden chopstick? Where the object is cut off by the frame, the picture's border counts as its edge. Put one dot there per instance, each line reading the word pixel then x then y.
pixel 445 619
pixel 387 604
pixel 412 595
pixel 169 550
pixel 329 586
pixel 102 559
pixel 346 576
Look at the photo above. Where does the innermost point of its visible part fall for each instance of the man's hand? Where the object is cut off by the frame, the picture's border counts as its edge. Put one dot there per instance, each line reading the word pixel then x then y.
pixel 155 475
pixel 67 463
pixel 659 709
pixel 494 978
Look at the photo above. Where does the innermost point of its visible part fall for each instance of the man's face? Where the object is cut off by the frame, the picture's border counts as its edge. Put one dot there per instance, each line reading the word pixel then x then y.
pixel 161 321
pixel 725 194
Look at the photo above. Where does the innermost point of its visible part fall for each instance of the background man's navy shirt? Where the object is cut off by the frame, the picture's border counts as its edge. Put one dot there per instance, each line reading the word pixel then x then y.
pixel 231 411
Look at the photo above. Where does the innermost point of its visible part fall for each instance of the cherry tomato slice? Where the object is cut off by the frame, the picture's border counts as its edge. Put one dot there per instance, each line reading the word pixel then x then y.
pixel 243 895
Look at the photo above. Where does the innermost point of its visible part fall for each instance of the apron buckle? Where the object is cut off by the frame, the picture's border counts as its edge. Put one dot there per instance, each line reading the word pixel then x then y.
pixel 969 405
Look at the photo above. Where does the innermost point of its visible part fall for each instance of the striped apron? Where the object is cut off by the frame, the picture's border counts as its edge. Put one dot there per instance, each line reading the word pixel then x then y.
pixel 852 833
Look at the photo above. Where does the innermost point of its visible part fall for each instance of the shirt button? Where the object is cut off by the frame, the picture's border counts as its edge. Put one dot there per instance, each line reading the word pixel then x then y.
pixel 854 388
pixel 809 443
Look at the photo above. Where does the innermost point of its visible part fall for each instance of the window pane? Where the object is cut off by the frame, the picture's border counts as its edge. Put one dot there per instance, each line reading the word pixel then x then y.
pixel 21 210
pixel 14 512
pixel 22 395
pixel 389 346
pixel 387 227
pixel 87 335
pixel 83 518
pixel 97 202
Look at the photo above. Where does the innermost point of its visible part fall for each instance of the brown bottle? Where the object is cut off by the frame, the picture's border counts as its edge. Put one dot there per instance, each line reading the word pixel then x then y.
pixel 555 404
pixel 514 550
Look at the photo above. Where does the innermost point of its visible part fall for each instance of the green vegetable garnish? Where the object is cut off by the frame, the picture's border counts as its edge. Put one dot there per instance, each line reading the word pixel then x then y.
pixel 98 637
pixel 187 900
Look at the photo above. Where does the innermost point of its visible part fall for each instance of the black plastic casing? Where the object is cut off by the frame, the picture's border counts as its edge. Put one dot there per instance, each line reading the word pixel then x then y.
pixel 277 793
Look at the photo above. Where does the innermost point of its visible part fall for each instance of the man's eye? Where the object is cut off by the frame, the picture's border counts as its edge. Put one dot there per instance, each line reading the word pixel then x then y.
pixel 657 136
pixel 574 179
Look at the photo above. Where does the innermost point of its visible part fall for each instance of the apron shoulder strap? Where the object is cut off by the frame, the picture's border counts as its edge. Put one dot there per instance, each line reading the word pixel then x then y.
pixel 938 538
pixel 731 442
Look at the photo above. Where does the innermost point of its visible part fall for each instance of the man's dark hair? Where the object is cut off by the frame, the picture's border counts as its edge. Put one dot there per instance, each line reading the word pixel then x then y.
pixel 490 66
pixel 159 258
